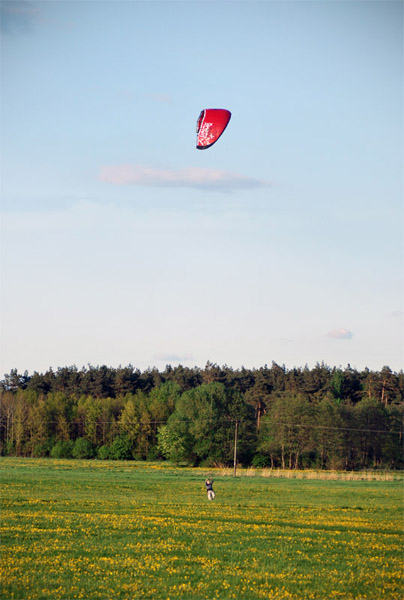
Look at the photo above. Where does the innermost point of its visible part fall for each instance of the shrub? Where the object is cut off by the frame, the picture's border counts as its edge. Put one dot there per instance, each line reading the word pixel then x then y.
pixel 83 448
pixel 153 454
pixel 9 449
pixel 260 461
pixel 121 448
pixel 62 450
pixel 104 453
pixel 40 450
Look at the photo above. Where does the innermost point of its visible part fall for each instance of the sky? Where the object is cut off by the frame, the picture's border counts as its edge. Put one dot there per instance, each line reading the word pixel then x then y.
pixel 121 243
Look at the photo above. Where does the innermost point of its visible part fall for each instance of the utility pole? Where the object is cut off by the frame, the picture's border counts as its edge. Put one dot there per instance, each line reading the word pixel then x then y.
pixel 235 449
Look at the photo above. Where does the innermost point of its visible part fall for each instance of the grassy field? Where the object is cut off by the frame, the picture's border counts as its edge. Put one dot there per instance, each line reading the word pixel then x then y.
pixel 92 529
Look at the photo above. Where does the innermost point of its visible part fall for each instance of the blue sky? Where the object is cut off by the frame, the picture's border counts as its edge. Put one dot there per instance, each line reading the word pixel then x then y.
pixel 122 243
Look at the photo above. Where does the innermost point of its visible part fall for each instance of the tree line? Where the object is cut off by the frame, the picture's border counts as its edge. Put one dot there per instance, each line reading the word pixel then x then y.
pixel 323 417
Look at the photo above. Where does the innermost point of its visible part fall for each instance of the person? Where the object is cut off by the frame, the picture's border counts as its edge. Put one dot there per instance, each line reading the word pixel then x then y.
pixel 209 489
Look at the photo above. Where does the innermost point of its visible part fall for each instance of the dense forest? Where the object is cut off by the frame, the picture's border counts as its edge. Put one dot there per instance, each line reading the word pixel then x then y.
pixel 321 417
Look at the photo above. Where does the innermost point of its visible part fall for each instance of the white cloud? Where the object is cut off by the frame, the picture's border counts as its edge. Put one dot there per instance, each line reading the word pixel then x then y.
pixel 340 334
pixel 169 357
pixel 194 177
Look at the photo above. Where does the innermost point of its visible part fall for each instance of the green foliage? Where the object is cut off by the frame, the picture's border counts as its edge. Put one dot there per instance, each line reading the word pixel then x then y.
pixel 103 453
pixel 337 384
pixel 260 461
pixel 171 444
pixel 121 448
pixel 63 450
pixel 83 448
pixel 128 421
pixel 203 424
pixel 321 417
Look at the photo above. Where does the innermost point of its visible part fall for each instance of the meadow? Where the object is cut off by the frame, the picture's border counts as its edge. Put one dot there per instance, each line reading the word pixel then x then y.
pixel 128 530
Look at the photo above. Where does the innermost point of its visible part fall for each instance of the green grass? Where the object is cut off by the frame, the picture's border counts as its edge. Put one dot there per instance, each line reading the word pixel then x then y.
pixel 91 529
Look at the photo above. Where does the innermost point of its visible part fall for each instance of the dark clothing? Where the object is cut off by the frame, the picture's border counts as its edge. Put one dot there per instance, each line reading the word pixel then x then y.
pixel 209 485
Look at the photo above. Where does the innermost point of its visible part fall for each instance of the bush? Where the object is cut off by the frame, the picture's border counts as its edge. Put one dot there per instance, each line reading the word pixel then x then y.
pixel 153 454
pixel 62 450
pixel 40 450
pixel 121 448
pixel 83 448
pixel 260 461
pixel 104 453
pixel 9 449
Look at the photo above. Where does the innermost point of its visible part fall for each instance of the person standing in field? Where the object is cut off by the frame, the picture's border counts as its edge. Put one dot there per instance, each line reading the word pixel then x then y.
pixel 209 489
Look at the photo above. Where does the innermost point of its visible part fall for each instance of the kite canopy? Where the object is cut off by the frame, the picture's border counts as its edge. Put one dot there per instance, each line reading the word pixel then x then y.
pixel 210 126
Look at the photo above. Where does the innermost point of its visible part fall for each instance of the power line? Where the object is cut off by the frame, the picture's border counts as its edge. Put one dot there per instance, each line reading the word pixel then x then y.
pixel 234 421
